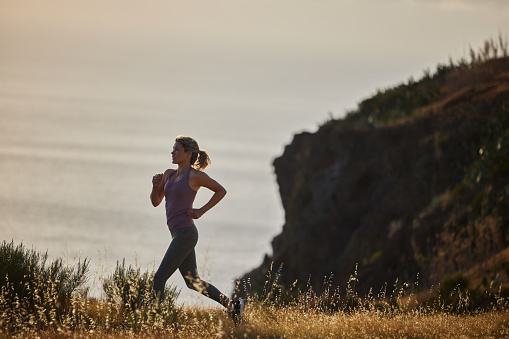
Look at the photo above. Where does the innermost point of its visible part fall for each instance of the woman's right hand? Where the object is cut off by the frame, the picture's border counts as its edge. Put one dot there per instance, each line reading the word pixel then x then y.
pixel 156 195
pixel 156 180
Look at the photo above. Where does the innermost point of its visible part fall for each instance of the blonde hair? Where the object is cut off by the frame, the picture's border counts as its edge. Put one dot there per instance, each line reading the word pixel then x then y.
pixel 199 158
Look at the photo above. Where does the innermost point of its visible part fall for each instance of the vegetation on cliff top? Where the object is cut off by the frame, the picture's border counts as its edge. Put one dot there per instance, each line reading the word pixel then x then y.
pixel 412 98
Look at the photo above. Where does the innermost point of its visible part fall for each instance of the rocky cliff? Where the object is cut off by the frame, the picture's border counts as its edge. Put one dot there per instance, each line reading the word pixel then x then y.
pixel 414 184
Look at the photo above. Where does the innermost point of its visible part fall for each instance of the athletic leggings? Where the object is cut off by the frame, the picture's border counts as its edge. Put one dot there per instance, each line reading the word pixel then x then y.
pixel 181 255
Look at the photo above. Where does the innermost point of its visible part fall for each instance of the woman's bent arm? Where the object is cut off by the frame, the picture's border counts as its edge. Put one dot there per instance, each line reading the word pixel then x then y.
pixel 201 179
pixel 157 194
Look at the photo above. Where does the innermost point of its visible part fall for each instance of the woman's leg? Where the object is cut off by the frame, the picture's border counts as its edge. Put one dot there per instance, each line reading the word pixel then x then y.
pixel 182 244
pixel 181 255
pixel 189 271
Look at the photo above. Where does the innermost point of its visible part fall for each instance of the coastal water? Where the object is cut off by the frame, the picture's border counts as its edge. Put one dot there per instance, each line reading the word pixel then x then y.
pixel 75 178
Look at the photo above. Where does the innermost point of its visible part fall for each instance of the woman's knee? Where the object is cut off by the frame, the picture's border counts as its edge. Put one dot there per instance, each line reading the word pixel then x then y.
pixel 195 283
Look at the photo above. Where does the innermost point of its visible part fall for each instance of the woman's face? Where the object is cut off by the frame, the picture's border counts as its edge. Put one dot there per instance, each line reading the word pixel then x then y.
pixel 179 155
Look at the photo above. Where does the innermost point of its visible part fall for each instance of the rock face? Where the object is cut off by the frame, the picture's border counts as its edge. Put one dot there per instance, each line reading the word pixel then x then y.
pixel 399 188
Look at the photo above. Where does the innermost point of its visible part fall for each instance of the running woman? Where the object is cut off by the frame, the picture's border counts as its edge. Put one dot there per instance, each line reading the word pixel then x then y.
pixel 179 187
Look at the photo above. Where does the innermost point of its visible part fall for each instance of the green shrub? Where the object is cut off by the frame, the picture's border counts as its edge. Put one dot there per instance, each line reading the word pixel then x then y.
pixel 128 291
pixel 34 293
pixel 454 282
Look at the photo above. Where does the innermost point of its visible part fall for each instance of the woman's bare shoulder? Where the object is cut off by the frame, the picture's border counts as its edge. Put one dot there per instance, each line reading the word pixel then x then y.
pixel 197 173
pixel 168 172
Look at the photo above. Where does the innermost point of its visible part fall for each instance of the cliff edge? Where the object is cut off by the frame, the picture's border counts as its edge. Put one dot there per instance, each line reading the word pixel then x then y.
pixel 412 185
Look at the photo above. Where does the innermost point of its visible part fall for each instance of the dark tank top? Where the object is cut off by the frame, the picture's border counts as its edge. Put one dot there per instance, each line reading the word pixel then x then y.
pixel 179 198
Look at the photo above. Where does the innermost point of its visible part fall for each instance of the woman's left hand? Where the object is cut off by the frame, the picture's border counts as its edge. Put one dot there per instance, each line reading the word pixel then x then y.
pixel 195 213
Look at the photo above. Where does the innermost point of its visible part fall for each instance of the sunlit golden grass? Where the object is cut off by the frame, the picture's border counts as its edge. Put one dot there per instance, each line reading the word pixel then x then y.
pixel 98 319
pixel 48 301
pixel 294 322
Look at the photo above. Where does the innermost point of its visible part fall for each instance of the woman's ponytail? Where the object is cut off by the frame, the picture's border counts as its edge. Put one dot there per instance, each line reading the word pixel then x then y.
pixel 199 158
pixel 202 162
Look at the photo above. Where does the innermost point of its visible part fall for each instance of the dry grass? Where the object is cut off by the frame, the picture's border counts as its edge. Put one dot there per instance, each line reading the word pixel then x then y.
pixel 294 322
pixel 300 318
pixel 35 307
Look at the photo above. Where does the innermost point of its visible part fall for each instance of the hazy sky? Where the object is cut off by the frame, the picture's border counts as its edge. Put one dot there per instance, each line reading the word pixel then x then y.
pixel 333 52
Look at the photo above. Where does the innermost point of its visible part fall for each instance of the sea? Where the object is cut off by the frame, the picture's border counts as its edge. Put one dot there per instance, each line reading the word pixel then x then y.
pixel 76 170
